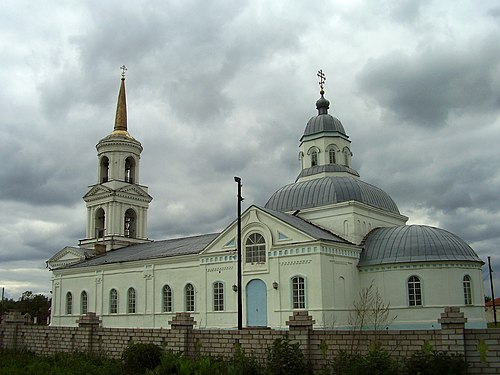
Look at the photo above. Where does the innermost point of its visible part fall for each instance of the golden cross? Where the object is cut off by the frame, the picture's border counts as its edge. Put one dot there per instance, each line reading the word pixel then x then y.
pixel 123 68
pixel 322 78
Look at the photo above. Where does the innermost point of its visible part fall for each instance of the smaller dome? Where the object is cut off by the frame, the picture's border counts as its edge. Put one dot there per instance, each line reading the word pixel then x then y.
pixel 324 123
pixel 414 243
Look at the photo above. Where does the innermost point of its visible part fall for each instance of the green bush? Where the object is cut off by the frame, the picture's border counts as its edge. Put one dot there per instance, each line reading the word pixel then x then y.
pixel 435 363
pixel 375 362
pixel 243 364
pixel 284 358
pixel 138 357
pixel 25 363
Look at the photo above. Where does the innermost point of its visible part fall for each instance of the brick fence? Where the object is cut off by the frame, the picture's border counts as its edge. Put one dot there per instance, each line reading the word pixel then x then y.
pixel 481 348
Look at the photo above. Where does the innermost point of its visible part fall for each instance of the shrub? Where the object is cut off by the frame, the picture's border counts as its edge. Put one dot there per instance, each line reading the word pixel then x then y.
pixel 243 364
pixel 137 357
pixel 435 363
pixel 284 358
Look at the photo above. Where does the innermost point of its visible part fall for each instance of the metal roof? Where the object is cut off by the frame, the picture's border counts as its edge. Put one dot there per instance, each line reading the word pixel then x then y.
pixel 327 168
pixel 414 243
pixel 304 226
pixel 329 190
pixel 151 250
pixel 324 123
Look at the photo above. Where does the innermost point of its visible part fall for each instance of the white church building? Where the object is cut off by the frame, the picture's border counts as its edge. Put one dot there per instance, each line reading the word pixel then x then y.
pixel 313 246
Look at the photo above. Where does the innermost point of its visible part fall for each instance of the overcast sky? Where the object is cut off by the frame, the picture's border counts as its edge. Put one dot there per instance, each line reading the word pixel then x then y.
pixel 223 88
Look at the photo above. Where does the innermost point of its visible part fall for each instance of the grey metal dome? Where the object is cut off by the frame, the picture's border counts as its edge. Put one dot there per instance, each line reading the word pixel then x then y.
pixel 414 243
pixel 329 190
pixel 323 122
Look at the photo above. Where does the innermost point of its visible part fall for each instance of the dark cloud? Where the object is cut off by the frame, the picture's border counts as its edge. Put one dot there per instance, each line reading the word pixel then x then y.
pixel 425 88
pixel 216 90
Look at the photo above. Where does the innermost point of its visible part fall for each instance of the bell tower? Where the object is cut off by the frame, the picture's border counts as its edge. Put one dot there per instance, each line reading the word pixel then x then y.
pixel 117 206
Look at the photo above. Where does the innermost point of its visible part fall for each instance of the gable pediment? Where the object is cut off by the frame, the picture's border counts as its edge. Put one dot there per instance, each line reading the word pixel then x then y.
pixel 134 191
pixel 256 219
pixel 96 192
pixel 67 255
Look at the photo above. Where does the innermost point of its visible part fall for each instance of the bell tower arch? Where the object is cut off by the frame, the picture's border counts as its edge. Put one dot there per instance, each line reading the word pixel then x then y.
pixel 117 205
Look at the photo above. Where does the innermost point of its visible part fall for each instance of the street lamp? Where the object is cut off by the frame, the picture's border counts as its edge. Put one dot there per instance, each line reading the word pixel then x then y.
pixel 240 199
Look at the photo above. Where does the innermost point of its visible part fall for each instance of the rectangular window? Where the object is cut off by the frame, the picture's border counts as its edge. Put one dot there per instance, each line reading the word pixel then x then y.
pixel 467 290
pixel 113 301
pixel 167 299
pixel 131 301
pixel 218 296
pixel 298 293
pixel 189 290
pixel 414 292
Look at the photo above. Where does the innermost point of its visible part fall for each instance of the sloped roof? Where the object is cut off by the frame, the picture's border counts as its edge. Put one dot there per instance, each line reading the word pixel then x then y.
pixel 305 226
pixel 151 250
pixel 414 243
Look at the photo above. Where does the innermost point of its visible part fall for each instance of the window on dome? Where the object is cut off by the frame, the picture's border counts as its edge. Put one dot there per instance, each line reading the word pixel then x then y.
pixel 131 301
pixel 255 249
pixel 298 292
pixel 218 296
pixel 414 291
pixel 167 298
pixel 113 301
pixel 69 303
pixel 314 158
pixel 331 156
pixel 84 303
pixel 467 290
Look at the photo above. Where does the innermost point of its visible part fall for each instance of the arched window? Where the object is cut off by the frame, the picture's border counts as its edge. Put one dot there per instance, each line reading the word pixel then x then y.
pixel 129 170
pixel 84 303
pixel 100 221
pixel 347 156
pixel 189 297
pixel 131 301
pixel 69 303
pixel 130 223
pixel 414 291
pixel 298 292
pixel 104 169
pixel 113 301
pixel 314 158
pixel 331 156
pixel 218 296
pixel 255 249
pixel 167 298
pixel 467 290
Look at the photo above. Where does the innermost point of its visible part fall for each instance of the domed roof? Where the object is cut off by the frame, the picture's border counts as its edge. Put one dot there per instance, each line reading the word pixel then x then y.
pixel 329 190
pixel 323 122
pixel 414 243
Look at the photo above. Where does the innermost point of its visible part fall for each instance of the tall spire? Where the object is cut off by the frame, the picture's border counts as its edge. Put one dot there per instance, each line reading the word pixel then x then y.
pixel 121 107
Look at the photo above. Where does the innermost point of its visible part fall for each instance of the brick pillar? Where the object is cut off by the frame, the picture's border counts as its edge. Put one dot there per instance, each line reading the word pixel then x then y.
pixel 88 325
pixel 300 325
pixel 12 323
pixel 452 330
pixel 182 329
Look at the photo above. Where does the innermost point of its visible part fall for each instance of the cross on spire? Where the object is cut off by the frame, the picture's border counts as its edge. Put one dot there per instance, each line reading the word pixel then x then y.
pixel 123 68
pixel 322 79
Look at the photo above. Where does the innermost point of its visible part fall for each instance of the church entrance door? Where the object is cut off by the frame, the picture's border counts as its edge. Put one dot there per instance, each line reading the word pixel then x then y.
pixel 256 293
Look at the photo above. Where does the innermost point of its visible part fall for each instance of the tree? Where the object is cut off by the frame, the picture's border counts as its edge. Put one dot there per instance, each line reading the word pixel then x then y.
pixel 36 305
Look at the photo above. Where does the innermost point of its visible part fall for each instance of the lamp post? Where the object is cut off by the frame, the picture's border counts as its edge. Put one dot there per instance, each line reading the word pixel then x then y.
pixel 240 199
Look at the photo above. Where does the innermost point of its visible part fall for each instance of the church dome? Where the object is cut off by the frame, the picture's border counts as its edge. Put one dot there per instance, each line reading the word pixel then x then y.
pixel 414 243
pixel 323 123
pixel 329 190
